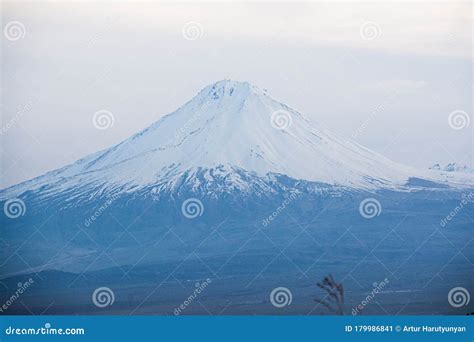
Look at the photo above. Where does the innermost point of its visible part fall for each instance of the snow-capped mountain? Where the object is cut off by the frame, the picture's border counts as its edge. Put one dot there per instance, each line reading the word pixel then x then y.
pixel 235 133
pixel 452 167
pixel 236 187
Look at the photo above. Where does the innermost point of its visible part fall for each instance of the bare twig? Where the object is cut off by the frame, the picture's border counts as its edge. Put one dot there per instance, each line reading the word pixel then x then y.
pixel 334 300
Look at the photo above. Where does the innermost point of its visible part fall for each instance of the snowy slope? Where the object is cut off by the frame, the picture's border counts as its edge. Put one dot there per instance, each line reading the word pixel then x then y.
pixel 232 126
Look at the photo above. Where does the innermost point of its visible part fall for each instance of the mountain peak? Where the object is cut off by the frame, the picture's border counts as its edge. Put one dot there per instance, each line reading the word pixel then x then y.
pixel 230 88
pixel 232 125
pixel 452 167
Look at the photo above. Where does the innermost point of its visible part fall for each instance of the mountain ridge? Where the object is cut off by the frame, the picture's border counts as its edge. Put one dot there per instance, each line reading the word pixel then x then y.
pixel 240 188
pixel 233 125
pixel 452 167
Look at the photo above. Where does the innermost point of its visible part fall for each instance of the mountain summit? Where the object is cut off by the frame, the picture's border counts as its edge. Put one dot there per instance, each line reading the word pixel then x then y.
pixel 229 129
pixel 452 167
pixel 239 188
